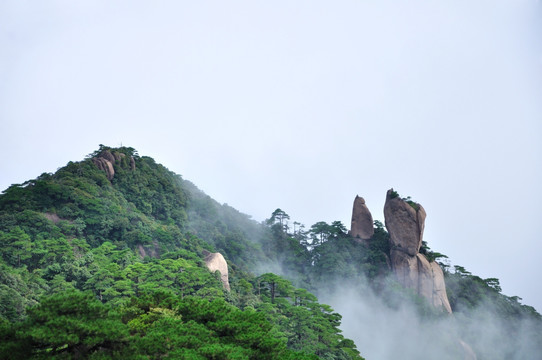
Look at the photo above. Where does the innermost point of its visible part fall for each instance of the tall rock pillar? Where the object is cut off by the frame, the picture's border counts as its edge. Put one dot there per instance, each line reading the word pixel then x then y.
pixel 362 221
pixel 405 222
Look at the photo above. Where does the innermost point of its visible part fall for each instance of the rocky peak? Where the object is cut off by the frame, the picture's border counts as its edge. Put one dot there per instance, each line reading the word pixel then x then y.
pixel 362 220
pixel 107 155
pixel 106 159
pixel 405 221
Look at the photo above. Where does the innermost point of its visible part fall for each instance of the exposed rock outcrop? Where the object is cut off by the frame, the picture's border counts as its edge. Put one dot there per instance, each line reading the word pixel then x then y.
pixel 152 250
pixel 105 165
pixel 106 159
pixel 107 155
pixel 119 156
pixel 440 298
pixel 214 262
pixel 52 217
pixel 362 220
pixel 405 221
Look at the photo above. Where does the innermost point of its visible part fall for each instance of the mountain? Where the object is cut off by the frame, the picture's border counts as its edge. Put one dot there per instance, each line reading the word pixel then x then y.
pixel 116 256
pixel 109 256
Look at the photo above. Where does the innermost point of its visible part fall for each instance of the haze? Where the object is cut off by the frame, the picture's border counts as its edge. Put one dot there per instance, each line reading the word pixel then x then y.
pixel 299 105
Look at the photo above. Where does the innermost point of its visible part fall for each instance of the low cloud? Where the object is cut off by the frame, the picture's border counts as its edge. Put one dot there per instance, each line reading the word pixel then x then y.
pixel 384 332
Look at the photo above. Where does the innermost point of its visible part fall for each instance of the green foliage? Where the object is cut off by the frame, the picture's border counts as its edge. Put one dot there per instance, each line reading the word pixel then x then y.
pixel 429 254
pixel 410 202
pixel 71 324
pixel 467 291
pixel 278 216
pixel 408 199
pixel 224 229
pixel 306 324
pixel 99 268
pixel 154 190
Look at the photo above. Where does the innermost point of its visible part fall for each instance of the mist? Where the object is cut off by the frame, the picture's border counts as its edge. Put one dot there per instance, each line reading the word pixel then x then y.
pixel 302 105
pixel 383 332
pixel 388 321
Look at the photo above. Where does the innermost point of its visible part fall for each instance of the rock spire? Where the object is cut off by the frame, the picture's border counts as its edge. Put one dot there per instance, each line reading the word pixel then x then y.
pixel 362 220
pixel 405 221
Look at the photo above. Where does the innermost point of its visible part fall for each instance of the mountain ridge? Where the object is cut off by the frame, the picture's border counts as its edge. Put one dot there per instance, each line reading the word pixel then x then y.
pixel 124 227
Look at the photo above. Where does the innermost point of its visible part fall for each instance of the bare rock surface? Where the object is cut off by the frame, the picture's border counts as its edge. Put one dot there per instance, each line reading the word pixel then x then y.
pixel 425 278
pixel 404 223
pixel 362 220
pixel 440 298
pixel 105 165
pixel 52 217
pixel 106 159
pixel 405 268
pixel 108 156
pixel 214 262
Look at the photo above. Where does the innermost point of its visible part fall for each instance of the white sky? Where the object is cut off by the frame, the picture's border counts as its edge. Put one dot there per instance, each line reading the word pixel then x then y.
pixel 299 105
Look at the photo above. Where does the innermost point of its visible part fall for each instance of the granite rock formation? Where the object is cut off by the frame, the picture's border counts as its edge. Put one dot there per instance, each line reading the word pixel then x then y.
pixel 105 165
pixel 405 221
pixel 105 161
pixel 362 220
pixel 107 155
pixel 214 262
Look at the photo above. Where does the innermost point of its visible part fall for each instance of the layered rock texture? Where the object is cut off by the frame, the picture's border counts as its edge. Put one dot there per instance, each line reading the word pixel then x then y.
pixel 214 262
pixel 362 221
pixel 107 159
pixel 105 165
pixel 405 221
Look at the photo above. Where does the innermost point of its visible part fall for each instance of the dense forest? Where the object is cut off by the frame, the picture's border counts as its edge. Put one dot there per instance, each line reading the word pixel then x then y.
pixel 104 259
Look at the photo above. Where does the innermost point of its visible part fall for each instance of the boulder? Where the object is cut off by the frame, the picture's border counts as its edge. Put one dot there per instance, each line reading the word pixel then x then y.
pixel 132 163
pixel 118 156
pixel 405 223
pixel 214 262
pixel 362 220
pixel 106 154
pixel 105 165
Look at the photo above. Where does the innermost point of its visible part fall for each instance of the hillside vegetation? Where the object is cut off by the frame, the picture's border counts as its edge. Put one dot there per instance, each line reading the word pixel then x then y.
pixel 96 265
pixel 107 262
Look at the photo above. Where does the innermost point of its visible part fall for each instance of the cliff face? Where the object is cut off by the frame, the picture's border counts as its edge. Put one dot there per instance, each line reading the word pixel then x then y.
pixel 405 223
pixel 362 221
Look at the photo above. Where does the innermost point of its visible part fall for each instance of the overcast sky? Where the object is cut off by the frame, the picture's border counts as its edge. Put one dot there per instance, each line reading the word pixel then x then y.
pixel 299 105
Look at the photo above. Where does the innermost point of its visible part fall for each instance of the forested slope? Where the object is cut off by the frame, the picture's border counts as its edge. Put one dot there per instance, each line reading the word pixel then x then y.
pixel 104 259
